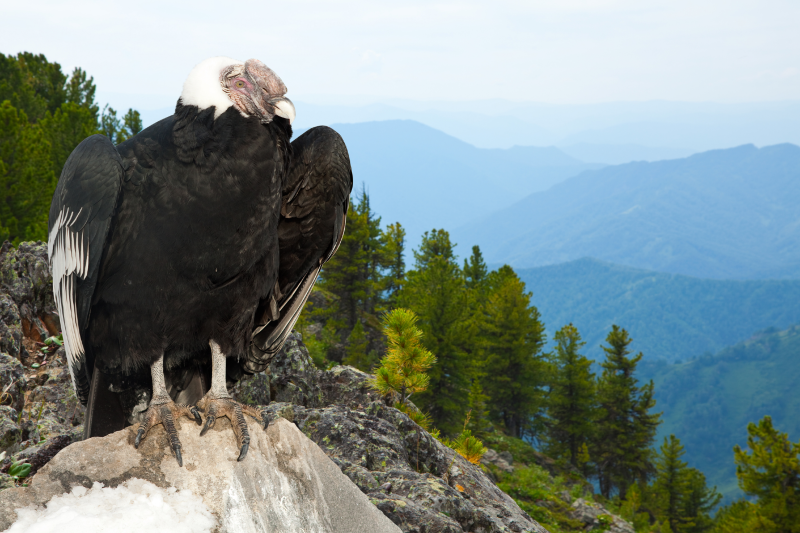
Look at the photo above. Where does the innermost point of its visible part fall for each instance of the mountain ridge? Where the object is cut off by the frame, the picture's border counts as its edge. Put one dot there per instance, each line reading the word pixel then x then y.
pixel 669 316
pixel 722 214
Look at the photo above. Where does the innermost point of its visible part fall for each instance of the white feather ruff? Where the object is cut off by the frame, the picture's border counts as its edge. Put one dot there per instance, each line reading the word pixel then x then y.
pixel 202 87
pixel 69 257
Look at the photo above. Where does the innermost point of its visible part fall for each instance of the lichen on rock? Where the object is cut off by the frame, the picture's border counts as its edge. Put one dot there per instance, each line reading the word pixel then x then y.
pixel 420 484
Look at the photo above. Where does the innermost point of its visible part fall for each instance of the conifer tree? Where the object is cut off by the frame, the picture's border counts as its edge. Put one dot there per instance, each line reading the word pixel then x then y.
pixel 132 123
pixel 356 353
pixel 393 242
pixel 351 277
pixel 475 271
pixel 672 484
pixel 512 337
pixel 403 368
pixel 699 503
pixel 770 471
pixel 571 404
pixel 435 291
pixel 625 428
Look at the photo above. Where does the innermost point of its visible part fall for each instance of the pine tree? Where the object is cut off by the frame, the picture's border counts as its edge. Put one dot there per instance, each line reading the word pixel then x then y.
pixel 770 471
pixel 625 428
pixel 356 351
pixel 699 502
pixel 132 123
pixel 351 280
pixel 393 243
pixel 403 369
pixel 672 484
pixel 512 337
pixel 435 291
pixel 475 271
pixel 571 404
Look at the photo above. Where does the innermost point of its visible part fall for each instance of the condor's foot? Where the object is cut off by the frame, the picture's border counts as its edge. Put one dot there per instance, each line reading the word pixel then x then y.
pixel 215 407
pixel 165 411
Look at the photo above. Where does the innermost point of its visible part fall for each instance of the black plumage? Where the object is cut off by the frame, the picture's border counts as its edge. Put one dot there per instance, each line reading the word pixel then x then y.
pixel 207 226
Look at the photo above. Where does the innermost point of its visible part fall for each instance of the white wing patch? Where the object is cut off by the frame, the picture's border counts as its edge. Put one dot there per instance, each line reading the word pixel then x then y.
pixel 69 258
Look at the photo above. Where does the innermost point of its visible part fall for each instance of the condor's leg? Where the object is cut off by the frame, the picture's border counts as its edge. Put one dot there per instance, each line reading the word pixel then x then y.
pixel 162 410
pixel 217 402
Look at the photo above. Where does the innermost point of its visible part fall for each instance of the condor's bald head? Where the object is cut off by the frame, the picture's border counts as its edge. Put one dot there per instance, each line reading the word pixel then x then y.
pixel 251 87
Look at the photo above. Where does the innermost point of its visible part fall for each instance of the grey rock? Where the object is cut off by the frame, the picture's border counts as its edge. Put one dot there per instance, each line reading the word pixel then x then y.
pixel 12 382
pixel 589 513
pixel 345 385
pixel 405 473
pixel 379 448
pixel 286 483
pixel 10 327
pixel 25 277
pixel 10 432
pixel 491 457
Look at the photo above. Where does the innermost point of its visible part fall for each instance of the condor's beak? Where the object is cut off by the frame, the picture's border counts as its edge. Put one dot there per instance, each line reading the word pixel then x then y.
pixel 283 108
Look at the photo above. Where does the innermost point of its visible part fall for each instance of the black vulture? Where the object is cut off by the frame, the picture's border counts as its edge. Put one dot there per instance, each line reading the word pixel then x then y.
pixel 182 257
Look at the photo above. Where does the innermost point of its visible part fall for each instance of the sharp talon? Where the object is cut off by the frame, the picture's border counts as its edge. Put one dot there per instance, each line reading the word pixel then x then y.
pixel 196 414
pixel 139 435
pixel 209 424
pixel 243 453
pixel 266 420
pixel 178 455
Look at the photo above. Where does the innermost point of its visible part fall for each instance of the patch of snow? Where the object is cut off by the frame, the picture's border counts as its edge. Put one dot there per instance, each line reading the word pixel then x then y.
pixel 135 506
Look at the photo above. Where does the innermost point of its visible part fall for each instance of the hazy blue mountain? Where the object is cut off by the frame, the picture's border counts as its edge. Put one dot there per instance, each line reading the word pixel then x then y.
pixel 725 214
pixel 669 316
pixel 426 179
pixel 617 154
pixel 709 401
pixel 501 124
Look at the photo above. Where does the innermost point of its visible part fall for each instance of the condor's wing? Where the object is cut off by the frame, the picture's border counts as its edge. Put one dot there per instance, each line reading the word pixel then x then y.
pixel 80 217
pixel 313 214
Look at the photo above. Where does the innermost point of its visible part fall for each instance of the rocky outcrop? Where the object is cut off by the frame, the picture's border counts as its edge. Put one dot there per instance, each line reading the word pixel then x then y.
pixel 285 484
pixel 39 413
pixel 420 484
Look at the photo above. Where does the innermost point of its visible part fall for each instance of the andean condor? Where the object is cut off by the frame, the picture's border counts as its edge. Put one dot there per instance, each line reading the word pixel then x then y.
pixel 182 257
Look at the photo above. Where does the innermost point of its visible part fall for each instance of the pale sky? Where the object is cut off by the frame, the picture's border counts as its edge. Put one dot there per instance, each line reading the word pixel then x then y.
pixel 559 51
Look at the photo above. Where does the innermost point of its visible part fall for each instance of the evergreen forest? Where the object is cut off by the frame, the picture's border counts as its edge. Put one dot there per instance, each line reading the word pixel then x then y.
pixel 459 345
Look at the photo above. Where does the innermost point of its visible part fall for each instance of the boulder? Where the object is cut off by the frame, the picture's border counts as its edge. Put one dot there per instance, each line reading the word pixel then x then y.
pixel 500 460
pixel 597 517
pixel 286 483
pixel 418 482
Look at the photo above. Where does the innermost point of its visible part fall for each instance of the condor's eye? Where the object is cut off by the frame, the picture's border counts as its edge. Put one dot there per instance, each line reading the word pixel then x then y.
pixel 239 84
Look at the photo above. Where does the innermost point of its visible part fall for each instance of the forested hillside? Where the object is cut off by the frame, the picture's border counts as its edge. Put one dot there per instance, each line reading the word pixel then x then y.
pixel 672 317
pixel 709 400
pixel 723 214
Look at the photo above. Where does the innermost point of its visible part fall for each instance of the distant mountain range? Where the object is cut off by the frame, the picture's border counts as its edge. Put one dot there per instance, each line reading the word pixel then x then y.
pixel 618 154
pixel 709 401
pixel 695 126
pixel 426 179
pixel 724 214
pixel 669 316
